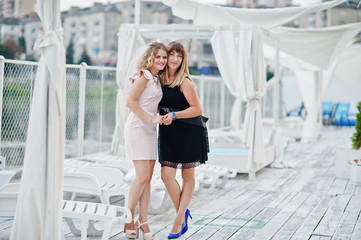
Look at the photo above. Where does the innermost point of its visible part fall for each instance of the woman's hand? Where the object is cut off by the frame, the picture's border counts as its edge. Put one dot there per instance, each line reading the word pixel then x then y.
pixel 157 119
pixel 168 119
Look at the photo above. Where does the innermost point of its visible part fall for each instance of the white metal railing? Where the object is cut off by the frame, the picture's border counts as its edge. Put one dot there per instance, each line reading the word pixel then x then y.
pixel 91 95
pixel 90 107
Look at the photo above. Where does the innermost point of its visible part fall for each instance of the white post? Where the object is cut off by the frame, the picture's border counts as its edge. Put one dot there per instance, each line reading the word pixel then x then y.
pixel 223 96
pixel 276 89
pixel 319 102
pixel 137 12
pixel 201 90
pixel 101 106
pixel 82 85
pixel 2 75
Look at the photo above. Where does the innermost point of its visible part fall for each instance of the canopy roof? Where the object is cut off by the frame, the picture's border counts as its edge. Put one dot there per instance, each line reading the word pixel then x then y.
pixel 267 18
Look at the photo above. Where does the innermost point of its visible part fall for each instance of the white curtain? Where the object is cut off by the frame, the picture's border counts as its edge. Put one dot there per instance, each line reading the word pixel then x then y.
pixel 129 39
pixel 233 64
pixel 319 47
pixel 307 81
pixel 39 209
pixel 348 67
pixel 255 87
pixel 242 68
pixel 207 14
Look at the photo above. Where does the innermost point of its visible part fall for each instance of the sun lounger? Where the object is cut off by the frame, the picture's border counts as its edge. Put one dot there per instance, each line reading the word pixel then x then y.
pixel 327 108
pixel 103 182
pixel 87 213
pixel 341 117
pixel 215 176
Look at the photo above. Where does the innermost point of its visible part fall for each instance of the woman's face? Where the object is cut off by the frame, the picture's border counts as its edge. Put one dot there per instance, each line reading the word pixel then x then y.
pixel 174 60
pixel 160 60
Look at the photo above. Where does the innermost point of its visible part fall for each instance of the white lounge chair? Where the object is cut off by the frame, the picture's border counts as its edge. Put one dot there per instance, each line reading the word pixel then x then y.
pixel 214 176
pixel 103 182
pixel 86 212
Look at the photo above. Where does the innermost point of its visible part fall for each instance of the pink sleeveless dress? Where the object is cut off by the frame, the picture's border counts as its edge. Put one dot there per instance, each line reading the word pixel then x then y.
pixel 141 139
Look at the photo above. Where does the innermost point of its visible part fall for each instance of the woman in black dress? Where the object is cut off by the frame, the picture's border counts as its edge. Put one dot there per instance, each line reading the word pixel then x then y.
pixel 182 137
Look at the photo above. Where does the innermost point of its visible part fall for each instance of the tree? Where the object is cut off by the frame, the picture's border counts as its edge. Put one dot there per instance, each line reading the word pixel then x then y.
pixel 6 51
pixel 13 45
pixel 70 52
pixel 356 138
pixel 85 57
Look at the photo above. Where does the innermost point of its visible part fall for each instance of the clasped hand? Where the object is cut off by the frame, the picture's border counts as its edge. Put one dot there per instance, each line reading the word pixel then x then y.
pixel 165 119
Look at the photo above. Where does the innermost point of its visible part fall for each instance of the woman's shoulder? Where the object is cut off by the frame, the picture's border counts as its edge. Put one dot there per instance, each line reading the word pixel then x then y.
pixel 142 72
pixel 187 83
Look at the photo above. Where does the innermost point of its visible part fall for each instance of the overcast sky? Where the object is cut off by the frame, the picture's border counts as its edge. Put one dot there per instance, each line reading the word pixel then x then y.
pixel 65 4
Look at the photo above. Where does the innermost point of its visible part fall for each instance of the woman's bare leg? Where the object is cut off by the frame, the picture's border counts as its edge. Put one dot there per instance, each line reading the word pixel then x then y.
pixel 143 176
pixel 144 199
pixel 174 191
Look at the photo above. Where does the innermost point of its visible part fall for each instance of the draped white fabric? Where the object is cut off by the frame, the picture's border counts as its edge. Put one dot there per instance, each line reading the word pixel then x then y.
pixel 241 66
pixel 255 88
pixel 307 84
pixel 348 67
pixel 38 213
pixel 233 63
pixel 319 47
pixel 129 40
pixel 267 18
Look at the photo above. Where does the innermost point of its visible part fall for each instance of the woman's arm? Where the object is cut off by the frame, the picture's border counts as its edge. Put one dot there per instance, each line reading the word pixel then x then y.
pixel 133 97
pixel 190 93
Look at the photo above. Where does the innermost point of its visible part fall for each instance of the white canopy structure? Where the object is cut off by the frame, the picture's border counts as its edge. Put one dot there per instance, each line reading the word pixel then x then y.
pixel 348 65
pixel 312 49
pixel 129 40
pixel 204 14
pixel 316 53
pixel 39 208
pixel 243 69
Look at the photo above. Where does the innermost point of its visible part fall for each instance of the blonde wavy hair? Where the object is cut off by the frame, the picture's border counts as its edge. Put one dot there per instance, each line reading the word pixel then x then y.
pixel 182 71
pixel 147 59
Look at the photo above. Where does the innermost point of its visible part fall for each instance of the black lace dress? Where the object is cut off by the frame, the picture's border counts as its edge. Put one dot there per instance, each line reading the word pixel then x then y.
pixel 183 143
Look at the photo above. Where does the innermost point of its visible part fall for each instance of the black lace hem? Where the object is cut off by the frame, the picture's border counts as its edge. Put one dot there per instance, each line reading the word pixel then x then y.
pixel 180 165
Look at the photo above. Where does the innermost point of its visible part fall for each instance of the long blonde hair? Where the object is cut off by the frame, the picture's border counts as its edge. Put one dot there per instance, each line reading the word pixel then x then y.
pixel 182 71
pixel 146 61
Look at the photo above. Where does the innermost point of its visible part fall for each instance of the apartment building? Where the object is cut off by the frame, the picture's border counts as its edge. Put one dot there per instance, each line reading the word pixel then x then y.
pixel 260 3
pixel 9 29
pixel 24 8
pixel 7 8
pixel 344 13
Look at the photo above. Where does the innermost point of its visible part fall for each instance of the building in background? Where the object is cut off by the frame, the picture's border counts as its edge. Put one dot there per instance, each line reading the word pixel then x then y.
pixel 9 29
pixel 260 3
pixel 7 8
pixel 344 13
pixel 24 8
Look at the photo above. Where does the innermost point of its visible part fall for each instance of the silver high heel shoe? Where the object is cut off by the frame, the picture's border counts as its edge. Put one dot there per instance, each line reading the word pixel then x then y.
pixel 131 234
pixel 146 236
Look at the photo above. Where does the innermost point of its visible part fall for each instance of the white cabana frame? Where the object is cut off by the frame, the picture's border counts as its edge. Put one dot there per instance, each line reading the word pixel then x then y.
pixel 249 84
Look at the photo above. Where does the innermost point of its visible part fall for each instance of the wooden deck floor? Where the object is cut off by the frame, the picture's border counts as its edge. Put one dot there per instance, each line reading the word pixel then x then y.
pixel 303 202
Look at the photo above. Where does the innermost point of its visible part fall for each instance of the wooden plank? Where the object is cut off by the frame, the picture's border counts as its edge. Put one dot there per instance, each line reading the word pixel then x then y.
pixel 350 188
pixel 313 219
pixel 279 220
pixel 338 187
pixel 356 234
pixel 298 218
pixel 332 217
pixel 318 237
pixel 349 219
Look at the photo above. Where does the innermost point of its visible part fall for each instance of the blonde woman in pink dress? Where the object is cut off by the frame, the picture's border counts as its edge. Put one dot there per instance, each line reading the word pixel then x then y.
pixel 141 135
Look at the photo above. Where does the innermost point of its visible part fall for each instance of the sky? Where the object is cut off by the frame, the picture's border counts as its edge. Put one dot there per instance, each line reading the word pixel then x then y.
pixel 65 4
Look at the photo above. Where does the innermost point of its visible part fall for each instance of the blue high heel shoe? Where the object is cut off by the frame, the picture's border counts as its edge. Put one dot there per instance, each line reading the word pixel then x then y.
pixel 176 235
pixel 187 214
